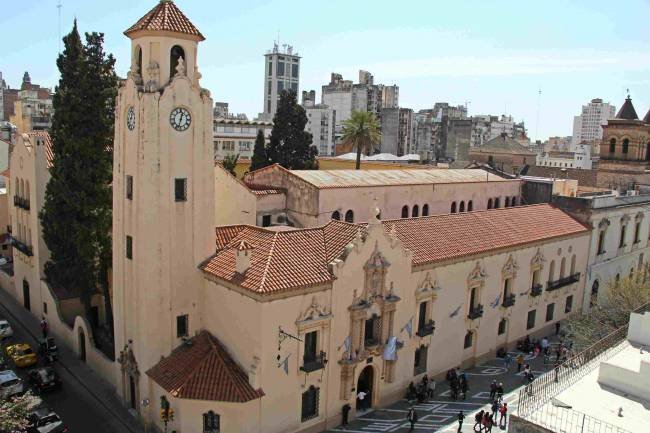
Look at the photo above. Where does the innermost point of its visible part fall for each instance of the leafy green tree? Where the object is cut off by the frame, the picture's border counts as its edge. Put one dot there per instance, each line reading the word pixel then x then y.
pixel 14 412
pixel 77 213
pixel 260 159
pixel 290 145
pixel 362 132
pixel 230 162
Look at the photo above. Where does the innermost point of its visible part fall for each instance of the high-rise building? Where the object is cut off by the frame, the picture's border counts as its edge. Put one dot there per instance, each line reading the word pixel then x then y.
pixel 587 127
pixel 389 96
pixel 281 72
pixel 320 123
pixel 486 127
pixel 396 131
pixel 425 134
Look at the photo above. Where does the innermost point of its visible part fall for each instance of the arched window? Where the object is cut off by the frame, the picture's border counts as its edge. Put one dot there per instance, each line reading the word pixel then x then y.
pixel 176 53
pixel 489 203
pixel 138 60
pixel 551 271
pixel 626 145
pixel 336 215
pixel 461 208
pixel 573 264
pixel 513 202
pixel 405 211
pixel 469 337
pixel 507 203
pixel 415 211
pixel 470 206
pixel 425 210
pixel 349 216
pixel 497 203
pixel 211 422
pixel 612 145
pixel 453 207
pixel 562 267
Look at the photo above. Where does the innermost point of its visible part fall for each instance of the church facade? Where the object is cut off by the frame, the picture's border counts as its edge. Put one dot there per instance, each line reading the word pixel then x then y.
pixel 247 329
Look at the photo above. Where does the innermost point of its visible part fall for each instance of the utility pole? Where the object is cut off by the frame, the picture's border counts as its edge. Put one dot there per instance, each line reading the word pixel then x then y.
pixel 58 7
pixel 539 97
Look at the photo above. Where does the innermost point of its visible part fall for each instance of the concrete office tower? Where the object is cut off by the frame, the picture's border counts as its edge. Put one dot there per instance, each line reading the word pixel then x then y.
pixel 389 96
pixel 281 72
pixel 320 123
pixel 396 131
pixel 587 127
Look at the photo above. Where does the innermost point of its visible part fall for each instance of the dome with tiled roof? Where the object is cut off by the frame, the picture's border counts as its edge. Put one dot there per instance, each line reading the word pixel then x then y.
pixel 165 17
pixel 627 111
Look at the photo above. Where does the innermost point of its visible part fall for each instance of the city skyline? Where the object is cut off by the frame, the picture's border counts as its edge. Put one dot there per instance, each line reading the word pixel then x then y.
pixel 488 54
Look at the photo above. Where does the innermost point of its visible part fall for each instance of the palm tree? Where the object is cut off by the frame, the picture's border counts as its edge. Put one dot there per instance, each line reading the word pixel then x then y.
pixel 361 131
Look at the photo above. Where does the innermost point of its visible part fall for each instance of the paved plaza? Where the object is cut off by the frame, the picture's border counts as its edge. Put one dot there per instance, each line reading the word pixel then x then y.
pixel 439 414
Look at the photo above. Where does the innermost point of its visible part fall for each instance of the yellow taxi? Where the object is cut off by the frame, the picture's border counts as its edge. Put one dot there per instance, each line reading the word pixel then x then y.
pixel 21 354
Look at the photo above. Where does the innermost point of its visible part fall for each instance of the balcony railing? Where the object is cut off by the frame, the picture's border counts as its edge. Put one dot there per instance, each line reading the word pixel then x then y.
pixel 22 203
pixel 557 284
pixel 23 248
pixel 536 290
pixel 314 362
pixel 476 312
pixel 426 329
pixel 509 300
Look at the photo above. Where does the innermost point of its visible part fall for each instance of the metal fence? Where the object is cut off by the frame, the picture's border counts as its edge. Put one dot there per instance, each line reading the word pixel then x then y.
pixel 565 420
pixel 547 386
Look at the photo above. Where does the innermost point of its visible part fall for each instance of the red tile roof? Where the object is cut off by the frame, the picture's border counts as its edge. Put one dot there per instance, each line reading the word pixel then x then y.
pixel 203 370
pixel 46 141
pixel 166 16
pixel 300 258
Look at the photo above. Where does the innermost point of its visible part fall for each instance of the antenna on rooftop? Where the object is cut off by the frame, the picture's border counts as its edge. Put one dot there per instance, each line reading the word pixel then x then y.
pixel 539 97
pixel 58 7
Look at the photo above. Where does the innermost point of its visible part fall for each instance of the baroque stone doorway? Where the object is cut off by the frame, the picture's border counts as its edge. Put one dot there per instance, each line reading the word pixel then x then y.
pixel 365 384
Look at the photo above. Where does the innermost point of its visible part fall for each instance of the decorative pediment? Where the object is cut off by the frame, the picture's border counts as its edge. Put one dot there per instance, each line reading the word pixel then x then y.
pixel 127 361
pixel 639 216
pixel 625 219
pixel 376 261
pixel 427 288
pixel 314 312
pixel 510 268
pixel 604 223
pixel 477 276
pixel 538 259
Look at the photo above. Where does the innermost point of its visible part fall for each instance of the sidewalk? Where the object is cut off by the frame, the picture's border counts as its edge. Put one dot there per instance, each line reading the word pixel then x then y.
pixel 68 360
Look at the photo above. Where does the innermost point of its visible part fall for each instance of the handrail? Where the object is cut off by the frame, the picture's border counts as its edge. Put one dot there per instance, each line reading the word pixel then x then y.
pixel 568 420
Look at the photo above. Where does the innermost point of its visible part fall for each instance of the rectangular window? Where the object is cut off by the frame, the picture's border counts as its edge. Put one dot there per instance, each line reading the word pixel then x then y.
pixel 621 241
pixel 311 339
pixel 44 307
pixel 530 323
pixel 310 403
pixel 211 422
pixel 280 69
pixel 601 242
pixel 129 187
pixel 422 316
pixel 129 247
pixel 637 232
pixel 266 220
pixel 280 87
pixel 550 310
pixel 181 326
pixel 420 361
pixel 568 306
pixel 180 189
pixel 370 339
pixel 294 71
pixel 294 87
pixel 270 69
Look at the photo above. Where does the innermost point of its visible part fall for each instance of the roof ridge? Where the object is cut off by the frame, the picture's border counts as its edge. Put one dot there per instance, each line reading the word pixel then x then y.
pixel 268 262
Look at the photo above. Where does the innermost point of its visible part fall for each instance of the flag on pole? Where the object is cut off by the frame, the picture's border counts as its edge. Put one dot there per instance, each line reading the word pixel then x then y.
pixel 285 364
pixel 409 327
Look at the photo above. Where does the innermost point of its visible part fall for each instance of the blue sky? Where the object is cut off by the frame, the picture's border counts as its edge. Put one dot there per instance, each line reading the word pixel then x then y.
pixel 495 54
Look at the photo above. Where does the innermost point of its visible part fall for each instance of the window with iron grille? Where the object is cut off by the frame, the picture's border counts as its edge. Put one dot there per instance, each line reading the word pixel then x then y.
pixel 211 422
pixel 530 323
pixel 420 362
pixel 310 403
pixel 129 187
pixel 469 339
pixel 129 247
pixel 182 326
pixel 568 306
pixel 550 310
pixel 502 326
pixel 180 189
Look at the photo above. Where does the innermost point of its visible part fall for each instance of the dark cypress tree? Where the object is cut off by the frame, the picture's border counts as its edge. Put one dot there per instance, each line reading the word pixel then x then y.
pixel 290 145
pixel 76 215
pixel 260 159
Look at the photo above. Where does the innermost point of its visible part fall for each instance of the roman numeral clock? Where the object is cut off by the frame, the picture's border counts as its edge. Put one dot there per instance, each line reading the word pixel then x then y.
pixel 180 119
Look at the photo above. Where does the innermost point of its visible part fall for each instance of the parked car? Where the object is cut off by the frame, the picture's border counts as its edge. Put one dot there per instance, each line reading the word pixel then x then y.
pixel 4 260
pixel 10 384
pixel 45 420
pixel 21 354
pixel 5 330
pixel 43 379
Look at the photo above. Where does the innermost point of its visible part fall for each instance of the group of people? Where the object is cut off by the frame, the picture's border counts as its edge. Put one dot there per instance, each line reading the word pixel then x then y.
pixel 458 384
pixel 424 389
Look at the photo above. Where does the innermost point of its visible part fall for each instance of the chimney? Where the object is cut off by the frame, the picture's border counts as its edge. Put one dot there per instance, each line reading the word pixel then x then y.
pixel 243 254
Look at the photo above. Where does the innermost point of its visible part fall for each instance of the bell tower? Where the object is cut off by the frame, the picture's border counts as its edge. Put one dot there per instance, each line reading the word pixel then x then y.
pixel 163 195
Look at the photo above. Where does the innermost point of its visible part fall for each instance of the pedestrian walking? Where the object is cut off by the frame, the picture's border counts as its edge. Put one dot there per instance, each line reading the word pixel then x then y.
pixel 557 328
pixel 506 361
pixel 44 327
pixel 490 423
pixel 500 391
pixel 526 370
pixel 461 418
pixel 464 387
pixel 545 345
pixel 431 388
pixel 412 417
pixel 454 389
pixel 495 408
pixel 478 421
pixel 485 421
pixel 503 411
pixel 493 389
pixel 520 362
pixel 361 397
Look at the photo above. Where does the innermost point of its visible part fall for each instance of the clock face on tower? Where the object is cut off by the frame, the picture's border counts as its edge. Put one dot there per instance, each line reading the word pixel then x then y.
pixel 180 119
pixel 130 118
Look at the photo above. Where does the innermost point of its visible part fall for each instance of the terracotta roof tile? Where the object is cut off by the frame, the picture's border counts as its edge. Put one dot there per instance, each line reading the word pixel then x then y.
pixel 203 370
pixel 300 258
pixel 165 16
pixel 627 111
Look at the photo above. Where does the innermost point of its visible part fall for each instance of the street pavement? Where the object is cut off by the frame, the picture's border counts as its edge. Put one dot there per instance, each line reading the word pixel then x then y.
pixel 84 402
pixel 439 414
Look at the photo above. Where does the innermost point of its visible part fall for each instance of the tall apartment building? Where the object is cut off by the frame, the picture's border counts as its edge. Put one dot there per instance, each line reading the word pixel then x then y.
pixel 281 72
pixel 234 134
pixel 29 108
pixel 389 96
pixel 443 109
pixel 425 132
pixel 587 127
pixel 396 131
pixel 320 123
pixel 487 127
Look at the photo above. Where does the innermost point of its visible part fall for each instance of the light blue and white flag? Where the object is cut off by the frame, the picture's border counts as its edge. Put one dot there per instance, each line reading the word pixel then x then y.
pixel 409 327
pixel 390 351
pixel 285 364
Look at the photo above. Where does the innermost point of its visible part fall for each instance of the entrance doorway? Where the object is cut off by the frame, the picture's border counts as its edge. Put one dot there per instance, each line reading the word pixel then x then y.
pixel 364 383
pixel 26 300
pixel 82 344
pixel 132 398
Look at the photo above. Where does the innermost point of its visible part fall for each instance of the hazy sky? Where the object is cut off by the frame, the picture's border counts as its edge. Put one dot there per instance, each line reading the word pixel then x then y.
pixel 494 54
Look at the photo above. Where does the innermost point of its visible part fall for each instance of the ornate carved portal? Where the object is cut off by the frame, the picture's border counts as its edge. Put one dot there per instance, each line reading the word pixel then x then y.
pixel 130 377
